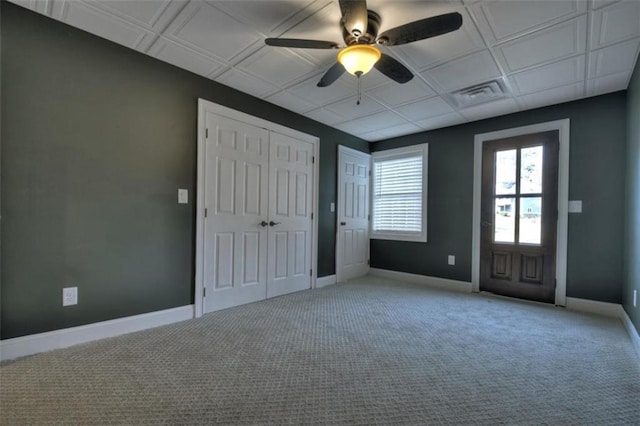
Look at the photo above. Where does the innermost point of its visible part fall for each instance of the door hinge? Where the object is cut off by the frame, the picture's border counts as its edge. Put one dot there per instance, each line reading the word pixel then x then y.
pixel 368 262
pixel 206 133
pixel 368 217
pixel 311 216
pixel 313 160
pixel 205 212
pixel 310 272
pixel 369 172
pixel 204 292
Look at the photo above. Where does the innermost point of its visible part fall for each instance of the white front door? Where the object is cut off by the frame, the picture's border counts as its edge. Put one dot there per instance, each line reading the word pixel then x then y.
pixel 235 230
pixel 290 220
pixel 352 246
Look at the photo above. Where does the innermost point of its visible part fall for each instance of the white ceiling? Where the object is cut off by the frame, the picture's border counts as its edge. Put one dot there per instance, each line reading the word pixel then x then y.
pixel 544 51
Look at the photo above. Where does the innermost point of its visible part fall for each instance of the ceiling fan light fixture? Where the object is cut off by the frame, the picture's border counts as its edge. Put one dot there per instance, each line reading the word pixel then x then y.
pixel 358 59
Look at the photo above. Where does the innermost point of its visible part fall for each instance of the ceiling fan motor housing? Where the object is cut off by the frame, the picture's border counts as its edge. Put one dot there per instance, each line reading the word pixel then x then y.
pixel 369 37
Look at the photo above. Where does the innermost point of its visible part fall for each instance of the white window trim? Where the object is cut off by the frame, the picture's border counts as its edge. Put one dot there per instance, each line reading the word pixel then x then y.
pixel 422 149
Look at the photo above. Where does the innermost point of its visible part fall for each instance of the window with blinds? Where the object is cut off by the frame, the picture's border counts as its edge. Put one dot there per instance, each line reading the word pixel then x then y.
pixel 399 194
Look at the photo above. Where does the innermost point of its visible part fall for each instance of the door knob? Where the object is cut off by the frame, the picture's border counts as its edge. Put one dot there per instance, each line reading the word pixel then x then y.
pixel 272 223
pixel 343 223
pixel 263 223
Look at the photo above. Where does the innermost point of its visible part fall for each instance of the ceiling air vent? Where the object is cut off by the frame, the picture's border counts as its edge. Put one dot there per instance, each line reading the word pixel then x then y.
pixel 479 94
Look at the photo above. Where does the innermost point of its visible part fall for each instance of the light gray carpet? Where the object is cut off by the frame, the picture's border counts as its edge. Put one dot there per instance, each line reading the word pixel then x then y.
pixel 371 351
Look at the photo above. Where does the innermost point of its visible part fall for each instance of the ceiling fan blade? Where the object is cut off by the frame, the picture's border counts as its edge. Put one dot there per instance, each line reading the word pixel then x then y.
pixel 354 16
pixel 332 75
pixel 301 43
pixel 393 69
pixel 422 29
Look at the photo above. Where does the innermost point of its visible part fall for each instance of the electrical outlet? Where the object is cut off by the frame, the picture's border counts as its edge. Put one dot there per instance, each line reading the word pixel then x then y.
pixel 451 259
pixel 69 296
pixel 635 298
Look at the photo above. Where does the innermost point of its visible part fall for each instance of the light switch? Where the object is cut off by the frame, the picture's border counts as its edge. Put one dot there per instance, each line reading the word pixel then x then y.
pixel 332 206
pixel 183 196
pixel 575 206
pixel 451 259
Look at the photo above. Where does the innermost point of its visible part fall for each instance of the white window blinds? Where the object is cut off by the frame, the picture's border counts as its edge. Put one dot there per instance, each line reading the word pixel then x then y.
pixel 398 193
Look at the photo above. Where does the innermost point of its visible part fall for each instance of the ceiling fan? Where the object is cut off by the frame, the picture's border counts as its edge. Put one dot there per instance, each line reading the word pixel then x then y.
pixel 360 33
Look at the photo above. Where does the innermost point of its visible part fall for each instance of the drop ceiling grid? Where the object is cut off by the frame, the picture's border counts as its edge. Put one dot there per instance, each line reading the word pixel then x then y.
pixel 545 53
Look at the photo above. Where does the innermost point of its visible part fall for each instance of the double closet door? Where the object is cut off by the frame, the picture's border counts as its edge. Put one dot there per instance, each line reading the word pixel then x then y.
pixel 258 221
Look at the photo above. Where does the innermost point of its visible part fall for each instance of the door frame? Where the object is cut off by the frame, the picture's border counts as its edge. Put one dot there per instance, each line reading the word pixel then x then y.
pixel 563 127
pixel 208 106
pixel 342 150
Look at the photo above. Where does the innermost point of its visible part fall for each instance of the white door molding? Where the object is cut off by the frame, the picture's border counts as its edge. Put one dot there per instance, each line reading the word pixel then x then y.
pixel 563 127
pixel 362 268
pixel 205 106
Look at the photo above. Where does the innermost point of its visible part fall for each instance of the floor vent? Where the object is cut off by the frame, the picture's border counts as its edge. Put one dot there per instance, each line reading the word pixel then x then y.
pixel 479 94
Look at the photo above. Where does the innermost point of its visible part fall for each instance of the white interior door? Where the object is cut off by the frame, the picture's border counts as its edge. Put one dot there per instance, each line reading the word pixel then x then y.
pixel 235 230
pixel 352 242
pixel 290 220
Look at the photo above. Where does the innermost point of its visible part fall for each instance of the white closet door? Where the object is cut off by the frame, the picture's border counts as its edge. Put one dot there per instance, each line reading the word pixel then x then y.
pixel 352 254
pixel 236 188
pixel 290 202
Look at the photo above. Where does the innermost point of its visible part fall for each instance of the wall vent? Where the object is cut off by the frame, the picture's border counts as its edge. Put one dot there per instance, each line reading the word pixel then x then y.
pixel 479 93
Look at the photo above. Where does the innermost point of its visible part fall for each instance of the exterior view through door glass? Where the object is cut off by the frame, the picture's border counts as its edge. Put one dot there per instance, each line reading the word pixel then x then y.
pixel 519 216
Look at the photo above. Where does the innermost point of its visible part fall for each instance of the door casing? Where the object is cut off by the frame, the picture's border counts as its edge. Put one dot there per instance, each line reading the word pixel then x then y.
pixel 562 126
pixel 205 106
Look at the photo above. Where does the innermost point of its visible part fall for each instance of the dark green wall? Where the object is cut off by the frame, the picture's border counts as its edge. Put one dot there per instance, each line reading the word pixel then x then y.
pixel 632 210
pixel 596 176
pixel 97 138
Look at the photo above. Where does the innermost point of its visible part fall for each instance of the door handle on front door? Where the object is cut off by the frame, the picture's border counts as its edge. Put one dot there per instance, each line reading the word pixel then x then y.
pixel 263 223
pixel 343 223
pixel 272 223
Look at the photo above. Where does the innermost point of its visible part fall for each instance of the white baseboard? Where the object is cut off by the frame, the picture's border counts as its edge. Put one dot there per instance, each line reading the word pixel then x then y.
pixel 58 339
pixel 441 283
pixel 325 281
pixel 606 309
pixel 633 333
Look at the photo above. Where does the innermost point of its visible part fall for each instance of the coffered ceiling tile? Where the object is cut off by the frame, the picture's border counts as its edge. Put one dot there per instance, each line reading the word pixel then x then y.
pixel 427 108
pixel 321 96
pixel 553 96
pixel 141 12
pixel 247 83
pixel 324 24
pixel 265 16
pixel 390 132
pixel 613 59
pixel 554 75
pixel 475 68
pixel 502 20
pixel 492 109
pixel 324 116
pixel 180 56
pixel 558 42
pixel 89 18
pixel 607 84
pixel 597 4
pixel 290 102
pixel 40 6
pixel 393 94
pixel 348 108
pixel 378 121
pixel 279 66
pixel 445 120
pixel 436 50
pixel 614 23
pixel 203 27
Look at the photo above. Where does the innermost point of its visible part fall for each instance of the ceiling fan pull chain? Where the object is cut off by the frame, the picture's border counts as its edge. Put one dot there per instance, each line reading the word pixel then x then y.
pixel 359 90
